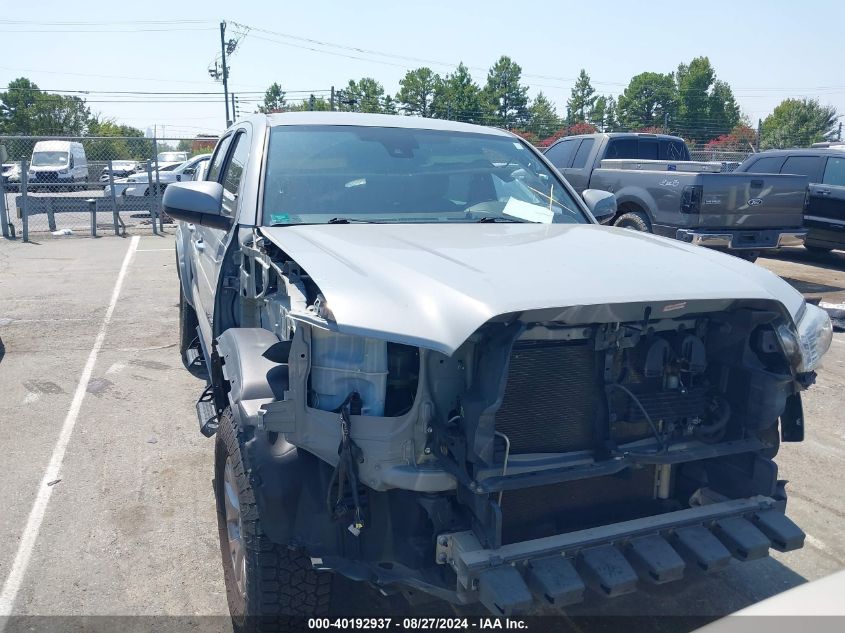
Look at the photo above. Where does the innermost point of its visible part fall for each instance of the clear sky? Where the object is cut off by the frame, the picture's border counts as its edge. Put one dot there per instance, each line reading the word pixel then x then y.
pixel 767 51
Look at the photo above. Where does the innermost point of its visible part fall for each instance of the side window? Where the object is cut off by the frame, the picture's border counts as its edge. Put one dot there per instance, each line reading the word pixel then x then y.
pixel 234 173
pixel 218 158
pixel 621 148
pixel 647 150
pixel 810 166
pixel 766 165
pixel 834 172
pixel 561 154
pixel 583 153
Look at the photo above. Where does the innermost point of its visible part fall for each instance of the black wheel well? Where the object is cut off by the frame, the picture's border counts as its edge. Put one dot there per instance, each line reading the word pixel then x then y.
pixel 629 206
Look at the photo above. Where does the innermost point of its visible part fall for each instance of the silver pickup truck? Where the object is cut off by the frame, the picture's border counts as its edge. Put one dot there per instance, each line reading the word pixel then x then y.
pixel 661 191
pixel 431 369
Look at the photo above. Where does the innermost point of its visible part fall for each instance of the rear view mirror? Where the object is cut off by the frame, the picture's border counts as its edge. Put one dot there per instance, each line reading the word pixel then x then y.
pixel 196 202
pixel 602 204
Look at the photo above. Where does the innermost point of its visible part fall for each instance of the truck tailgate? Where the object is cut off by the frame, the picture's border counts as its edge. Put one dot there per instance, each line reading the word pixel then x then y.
pixel 752 201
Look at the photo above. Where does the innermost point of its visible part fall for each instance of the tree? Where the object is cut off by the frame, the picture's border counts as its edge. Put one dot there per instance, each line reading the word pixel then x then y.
pixel 741 138
pixel 603 114
pixel 417 90
pixel 365 95
pixel 388 105
pixel 506 97
pixel 722 108
pixel 543 118
pixel 706 105
pixel 570 130
pixel 798 122
pixel 581 100
pixel 459 98
pixel 647 100
pixel 130 143
pixel 317 104
pixel 26 109
pixel 274 100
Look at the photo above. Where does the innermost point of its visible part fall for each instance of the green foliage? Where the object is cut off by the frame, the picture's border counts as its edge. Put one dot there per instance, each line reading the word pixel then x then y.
pixel 365 95
pixel 543 118
pixel 136 148
pixel 26 109
pixel 798 123
pixel 505 96
pixel 274 100
pixel 459 98
pixel 581 100
pixel 312 103
pixel 706 106
pixel 647 100
pixel 603 114
pixel 417 90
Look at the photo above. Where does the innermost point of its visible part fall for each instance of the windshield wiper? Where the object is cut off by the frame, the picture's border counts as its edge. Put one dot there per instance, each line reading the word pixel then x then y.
pixel 350 221
pixel 492 219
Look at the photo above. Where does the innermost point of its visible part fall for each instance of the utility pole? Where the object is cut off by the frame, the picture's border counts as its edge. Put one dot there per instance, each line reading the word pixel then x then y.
pixel 759 134
pixel 234 108
pixel 225 71
pixel 331 103
pixel 665 122
pixel 839 133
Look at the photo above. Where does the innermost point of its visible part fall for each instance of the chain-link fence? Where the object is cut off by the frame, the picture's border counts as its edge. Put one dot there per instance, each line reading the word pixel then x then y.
pixel 730 160
pixel 91 185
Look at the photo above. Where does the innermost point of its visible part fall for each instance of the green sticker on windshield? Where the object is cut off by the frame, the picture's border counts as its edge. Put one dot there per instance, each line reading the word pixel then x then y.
pixel 279 218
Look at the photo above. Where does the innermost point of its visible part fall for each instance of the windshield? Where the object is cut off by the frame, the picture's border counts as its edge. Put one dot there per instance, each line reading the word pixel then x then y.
pixel 172 157
pixel 49 159
pixel 350 173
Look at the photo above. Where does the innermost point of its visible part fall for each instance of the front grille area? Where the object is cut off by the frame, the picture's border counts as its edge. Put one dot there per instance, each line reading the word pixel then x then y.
pixel 46 176
pixel 576 505
pixel 552 397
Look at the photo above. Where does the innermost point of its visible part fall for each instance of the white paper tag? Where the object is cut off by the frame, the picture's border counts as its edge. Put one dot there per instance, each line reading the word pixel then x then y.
pixel 527 211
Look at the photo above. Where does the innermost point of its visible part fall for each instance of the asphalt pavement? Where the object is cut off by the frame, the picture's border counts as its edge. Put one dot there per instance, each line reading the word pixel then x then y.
pixel 124 522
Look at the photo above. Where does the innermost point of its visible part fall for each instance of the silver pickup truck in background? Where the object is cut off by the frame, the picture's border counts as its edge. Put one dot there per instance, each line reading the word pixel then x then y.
pixel 661 191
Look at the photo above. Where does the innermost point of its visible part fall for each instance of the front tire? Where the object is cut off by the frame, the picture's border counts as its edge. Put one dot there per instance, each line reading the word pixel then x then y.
pixel 634 220
pixel 266 583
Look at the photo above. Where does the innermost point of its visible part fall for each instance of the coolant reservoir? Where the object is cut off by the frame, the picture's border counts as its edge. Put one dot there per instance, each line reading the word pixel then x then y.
pixel 341 364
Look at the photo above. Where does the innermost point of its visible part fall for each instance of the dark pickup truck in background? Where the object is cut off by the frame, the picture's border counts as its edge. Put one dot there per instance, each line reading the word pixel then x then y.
pixel 825 169
pixel 659 190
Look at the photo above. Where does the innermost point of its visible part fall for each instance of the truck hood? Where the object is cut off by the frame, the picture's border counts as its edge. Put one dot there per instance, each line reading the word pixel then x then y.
pixel 433 285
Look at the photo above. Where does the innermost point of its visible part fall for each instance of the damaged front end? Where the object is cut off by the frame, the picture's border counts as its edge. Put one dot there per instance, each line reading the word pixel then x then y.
pixel 555 450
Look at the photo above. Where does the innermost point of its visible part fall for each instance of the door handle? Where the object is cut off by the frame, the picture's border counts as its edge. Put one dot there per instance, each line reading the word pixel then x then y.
pixel 191 227
pixel 200 245
pixel 823 192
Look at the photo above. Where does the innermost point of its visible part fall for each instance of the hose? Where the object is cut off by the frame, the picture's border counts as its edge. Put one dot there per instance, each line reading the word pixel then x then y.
pixel 640 406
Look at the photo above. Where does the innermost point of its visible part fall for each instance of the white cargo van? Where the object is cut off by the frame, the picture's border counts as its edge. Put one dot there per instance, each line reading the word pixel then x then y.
pixel 58 163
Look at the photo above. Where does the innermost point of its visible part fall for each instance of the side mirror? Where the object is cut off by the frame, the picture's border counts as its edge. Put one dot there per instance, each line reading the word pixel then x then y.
pixel 602 204
pixel 196 202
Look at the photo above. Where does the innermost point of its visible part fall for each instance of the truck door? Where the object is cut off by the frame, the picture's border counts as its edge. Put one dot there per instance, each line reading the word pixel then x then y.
pixel 561 153
pixel 578 173
pixel 200 240
pixel 827 198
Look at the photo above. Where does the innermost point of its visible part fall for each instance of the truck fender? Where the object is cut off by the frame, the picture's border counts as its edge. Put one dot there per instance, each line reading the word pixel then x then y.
pixel 183 263
pixel 253 364
pixel 628 197
pixel 289 484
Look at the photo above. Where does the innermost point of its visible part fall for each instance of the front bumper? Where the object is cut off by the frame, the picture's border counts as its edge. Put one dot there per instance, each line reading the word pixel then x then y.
pixel 612 559
pixel 743 240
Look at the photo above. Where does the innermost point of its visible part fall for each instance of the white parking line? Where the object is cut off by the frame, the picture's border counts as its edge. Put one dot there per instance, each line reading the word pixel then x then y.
pixel 36 516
